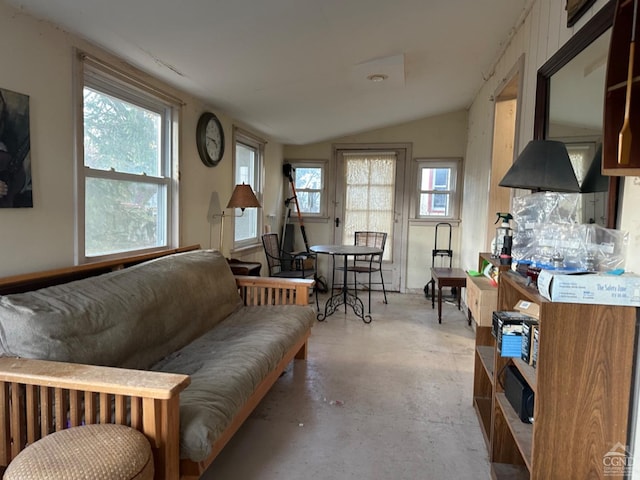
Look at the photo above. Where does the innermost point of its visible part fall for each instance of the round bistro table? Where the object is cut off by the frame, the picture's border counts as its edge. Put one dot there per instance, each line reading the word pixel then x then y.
pixel 344 296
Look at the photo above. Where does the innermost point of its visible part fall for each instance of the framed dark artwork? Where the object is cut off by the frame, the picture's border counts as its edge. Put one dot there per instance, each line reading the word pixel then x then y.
pixel 575 9
pixel 15 151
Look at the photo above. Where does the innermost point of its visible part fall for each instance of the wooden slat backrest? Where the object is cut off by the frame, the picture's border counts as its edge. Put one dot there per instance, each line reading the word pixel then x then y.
pixel 90 408
pixel 33 428
pixel 75 408
pixel 46 411
pixel 15 421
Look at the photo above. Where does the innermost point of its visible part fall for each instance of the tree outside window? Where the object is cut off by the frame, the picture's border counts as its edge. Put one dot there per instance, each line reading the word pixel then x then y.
pixel 125 172
pixel 308 183
pixel 309 178
pixel 248 164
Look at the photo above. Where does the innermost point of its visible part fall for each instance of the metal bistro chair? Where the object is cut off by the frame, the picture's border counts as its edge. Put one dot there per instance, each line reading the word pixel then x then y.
pixel 369 263
pixel 286 265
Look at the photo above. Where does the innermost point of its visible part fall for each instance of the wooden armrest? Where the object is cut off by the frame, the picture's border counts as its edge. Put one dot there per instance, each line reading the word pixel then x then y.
pixel 38 397
pixel 74 376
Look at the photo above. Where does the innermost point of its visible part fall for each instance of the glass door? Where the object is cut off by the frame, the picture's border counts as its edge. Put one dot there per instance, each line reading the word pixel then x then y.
pixel 367 199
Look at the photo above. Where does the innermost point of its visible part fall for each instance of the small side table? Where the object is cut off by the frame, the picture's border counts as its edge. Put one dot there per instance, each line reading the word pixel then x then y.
pixel 239 267
pixel 446 277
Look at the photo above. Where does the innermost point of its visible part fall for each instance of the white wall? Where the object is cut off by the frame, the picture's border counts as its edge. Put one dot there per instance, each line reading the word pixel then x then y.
pixel 542 32
pixel 433 137
pixel 36 60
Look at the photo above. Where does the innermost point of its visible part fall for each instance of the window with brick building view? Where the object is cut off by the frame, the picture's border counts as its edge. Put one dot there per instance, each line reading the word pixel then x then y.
pixel 437 189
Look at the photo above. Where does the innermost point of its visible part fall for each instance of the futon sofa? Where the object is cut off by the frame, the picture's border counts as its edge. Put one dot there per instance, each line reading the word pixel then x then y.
pixel 176 347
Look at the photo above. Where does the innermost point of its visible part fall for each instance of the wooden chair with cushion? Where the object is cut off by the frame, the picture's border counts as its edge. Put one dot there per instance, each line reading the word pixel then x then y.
pixel 369 264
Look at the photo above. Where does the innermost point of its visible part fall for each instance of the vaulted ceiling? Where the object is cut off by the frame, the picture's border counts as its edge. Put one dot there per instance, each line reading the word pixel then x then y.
pixel 297 70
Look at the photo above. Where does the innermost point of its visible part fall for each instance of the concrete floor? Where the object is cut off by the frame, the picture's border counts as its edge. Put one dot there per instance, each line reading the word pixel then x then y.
pixel 389 400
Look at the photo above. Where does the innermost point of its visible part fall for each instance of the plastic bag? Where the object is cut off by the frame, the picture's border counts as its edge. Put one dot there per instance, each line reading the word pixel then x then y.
pixel 547 234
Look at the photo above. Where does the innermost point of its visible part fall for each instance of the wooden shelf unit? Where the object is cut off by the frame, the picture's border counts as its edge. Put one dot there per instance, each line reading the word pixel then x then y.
pixel 582 384
pixel 486 257
pixel 484 365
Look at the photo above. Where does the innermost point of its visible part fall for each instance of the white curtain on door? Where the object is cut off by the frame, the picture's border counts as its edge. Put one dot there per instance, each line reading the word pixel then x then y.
pixel 369 195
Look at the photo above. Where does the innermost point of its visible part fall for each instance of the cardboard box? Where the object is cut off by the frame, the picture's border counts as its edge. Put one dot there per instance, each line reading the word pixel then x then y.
pixel 302 262
pixel 592 288
pixel 528 308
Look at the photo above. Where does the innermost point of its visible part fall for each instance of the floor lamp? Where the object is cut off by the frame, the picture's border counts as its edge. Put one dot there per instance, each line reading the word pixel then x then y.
pixel 242 197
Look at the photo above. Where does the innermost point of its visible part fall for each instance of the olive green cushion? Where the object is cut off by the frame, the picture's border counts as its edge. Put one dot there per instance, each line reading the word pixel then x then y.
pixel 130 318
pixel 226 365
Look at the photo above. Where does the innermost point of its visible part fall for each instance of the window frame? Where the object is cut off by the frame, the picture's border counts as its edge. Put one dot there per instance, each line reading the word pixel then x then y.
pixel 258 144
pixel 97 75
pixel 322 165
pixel 455 164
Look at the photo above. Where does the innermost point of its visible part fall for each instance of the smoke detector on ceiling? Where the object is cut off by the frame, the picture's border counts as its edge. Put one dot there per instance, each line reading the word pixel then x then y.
pixel 384 72
pixel 377 77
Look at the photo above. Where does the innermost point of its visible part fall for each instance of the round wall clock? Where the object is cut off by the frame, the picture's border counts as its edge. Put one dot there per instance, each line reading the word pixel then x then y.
pixel 210 139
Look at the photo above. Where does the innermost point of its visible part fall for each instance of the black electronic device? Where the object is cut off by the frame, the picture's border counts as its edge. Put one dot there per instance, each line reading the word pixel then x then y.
pixel 518 393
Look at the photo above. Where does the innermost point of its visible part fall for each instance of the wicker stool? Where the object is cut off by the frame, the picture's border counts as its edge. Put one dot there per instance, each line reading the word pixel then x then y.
pixel 100 452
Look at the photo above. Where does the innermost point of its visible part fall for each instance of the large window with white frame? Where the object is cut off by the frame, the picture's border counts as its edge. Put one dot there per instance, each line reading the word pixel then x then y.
pixel 437 194
pixel 309 177
pixel 248 164
pixel 126 182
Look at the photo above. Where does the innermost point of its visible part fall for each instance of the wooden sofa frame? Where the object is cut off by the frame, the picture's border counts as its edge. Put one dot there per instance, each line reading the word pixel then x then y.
pixel 40 397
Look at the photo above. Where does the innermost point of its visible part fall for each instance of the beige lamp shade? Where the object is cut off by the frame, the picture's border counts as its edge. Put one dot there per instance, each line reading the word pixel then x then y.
pixel 243 197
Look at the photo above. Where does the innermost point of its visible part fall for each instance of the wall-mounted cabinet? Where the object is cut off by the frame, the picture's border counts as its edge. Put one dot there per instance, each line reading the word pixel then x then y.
pixel 618 94
pixel 582 385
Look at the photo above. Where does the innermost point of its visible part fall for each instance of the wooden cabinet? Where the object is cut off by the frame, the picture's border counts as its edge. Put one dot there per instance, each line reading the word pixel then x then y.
pixel 482 293
pixel 582 385
pixel 617 93
pixel 482 299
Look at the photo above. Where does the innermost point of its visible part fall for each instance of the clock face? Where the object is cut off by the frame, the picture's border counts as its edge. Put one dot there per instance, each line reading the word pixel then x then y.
pixel 210 139
pixel 213 139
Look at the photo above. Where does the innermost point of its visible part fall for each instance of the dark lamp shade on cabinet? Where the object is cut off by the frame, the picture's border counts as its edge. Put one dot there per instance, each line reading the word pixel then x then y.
pixel 543 165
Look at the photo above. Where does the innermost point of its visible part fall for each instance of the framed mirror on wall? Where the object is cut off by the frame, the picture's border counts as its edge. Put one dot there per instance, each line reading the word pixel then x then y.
pixel 569 107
